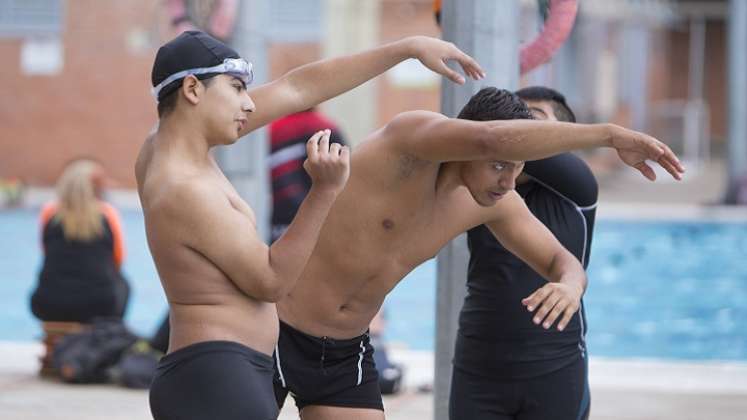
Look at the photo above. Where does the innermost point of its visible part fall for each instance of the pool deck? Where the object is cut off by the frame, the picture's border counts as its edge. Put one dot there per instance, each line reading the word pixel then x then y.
pixel 621 390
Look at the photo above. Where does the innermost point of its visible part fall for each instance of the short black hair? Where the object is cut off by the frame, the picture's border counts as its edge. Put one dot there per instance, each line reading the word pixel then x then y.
pixel 563 112
pixel 491 103
pixel 168 102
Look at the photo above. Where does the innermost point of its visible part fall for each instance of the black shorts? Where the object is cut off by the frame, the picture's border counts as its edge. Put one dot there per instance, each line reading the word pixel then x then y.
pixel 214 380
pixel 326 372
pixel 560 395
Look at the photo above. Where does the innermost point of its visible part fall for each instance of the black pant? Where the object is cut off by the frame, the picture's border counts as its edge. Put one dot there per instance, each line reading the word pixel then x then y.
pixel 66 305
pixel 560 395
pixel 214 380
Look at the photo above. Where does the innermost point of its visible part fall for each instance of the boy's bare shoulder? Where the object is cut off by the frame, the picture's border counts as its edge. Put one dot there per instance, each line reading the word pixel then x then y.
pixel 505 209
pixel 188 200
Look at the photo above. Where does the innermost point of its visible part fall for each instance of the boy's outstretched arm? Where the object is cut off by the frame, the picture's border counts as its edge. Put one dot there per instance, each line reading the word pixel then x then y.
pixel 311 84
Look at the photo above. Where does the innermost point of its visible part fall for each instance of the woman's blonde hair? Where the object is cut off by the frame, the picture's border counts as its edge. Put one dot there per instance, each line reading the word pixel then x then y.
pixel 79 208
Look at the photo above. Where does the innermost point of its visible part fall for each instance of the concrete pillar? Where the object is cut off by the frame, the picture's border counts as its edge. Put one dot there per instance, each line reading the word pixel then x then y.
pixel 351 26
pixel 737 97
pixel 244 162
pixel 488 31
pixel 633 71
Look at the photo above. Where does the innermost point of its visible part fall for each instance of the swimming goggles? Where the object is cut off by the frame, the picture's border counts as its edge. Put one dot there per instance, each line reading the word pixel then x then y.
pixel 237 67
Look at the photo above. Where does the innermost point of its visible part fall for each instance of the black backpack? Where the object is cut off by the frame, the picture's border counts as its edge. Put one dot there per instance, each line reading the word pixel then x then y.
pixel 137 366
pixel 85 357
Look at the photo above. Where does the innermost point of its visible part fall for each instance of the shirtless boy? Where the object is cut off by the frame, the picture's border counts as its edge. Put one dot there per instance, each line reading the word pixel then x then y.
pixel 220 279
pixel 414 185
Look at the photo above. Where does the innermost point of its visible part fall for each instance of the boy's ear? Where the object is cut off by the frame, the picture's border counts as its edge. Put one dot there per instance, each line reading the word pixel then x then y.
pixel 192 89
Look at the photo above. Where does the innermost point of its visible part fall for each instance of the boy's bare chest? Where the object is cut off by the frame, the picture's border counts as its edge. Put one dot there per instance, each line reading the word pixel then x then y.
pixel 393 229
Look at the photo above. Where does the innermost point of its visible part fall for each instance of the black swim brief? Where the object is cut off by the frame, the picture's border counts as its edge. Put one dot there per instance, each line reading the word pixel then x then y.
pixel 325 371
pixel 214 380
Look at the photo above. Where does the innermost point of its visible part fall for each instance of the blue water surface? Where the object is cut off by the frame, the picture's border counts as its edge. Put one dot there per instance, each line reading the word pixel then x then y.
pixel 671 290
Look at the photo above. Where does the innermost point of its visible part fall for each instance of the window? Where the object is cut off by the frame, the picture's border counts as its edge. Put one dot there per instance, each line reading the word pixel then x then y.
pixel 296 20
pixel 30 18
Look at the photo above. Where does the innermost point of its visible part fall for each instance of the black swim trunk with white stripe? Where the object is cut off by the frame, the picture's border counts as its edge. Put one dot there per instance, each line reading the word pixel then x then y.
pixel 326 372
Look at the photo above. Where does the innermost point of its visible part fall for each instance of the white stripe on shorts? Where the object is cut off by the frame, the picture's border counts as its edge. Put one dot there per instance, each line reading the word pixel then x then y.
pixel 280 370
pixel 360 363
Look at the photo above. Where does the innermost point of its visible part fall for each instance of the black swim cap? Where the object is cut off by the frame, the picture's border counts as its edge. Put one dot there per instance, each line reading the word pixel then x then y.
pixel 189 50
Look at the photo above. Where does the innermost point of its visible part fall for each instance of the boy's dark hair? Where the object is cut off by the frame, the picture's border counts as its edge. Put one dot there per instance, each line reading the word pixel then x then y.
pixel 491 103
pixel 168 102
pixel 563 112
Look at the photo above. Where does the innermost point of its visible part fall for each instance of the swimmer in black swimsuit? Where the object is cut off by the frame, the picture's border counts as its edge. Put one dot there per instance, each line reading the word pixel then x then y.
pixel 506 366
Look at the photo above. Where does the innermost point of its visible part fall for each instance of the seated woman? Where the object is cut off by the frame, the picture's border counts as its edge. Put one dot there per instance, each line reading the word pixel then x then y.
pixel 80 278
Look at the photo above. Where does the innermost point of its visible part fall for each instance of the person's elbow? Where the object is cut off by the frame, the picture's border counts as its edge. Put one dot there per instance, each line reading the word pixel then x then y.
pixel 585 192
pixel 265 287
pixel 273 295
pixel 589 192
pixel 273 289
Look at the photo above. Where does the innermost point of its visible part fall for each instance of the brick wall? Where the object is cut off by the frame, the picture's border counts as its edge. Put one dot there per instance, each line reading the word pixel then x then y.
pixel 99 105
pixel 401 18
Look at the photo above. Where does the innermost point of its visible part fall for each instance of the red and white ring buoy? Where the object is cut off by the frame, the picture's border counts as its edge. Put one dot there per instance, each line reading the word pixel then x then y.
pixel 555 31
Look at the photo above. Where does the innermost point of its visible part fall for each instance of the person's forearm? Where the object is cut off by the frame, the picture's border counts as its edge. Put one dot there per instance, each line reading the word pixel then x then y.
pixel 316 82
pixel 566 269
pixel 290 253
pixel 530 140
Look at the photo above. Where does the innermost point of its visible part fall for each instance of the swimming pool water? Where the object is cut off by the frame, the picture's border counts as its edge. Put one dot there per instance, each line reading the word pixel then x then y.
pixel 673 290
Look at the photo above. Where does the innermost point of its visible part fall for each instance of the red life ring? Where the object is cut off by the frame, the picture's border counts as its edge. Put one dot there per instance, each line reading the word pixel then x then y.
pixel 555 31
